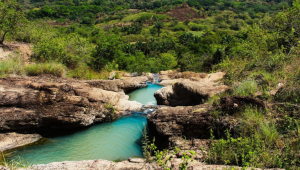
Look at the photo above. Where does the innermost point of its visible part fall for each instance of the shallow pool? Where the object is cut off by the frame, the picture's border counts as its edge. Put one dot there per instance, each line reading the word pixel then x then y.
pixel 145 95
pixel 111 141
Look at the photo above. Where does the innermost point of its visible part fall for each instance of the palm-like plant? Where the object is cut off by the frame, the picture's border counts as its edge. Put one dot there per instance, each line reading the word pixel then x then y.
pixel 158 25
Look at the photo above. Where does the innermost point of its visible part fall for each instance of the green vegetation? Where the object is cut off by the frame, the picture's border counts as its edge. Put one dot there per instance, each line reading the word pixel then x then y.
pixel 258 143
pixel 45 68
pixel 163 157
pixel 13 165
pixel 256 43
pixel 12 18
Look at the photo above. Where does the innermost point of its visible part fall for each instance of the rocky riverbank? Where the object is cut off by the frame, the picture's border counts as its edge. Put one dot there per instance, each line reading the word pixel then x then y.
pixel 188 127
pixel 48 104
pixel 14 140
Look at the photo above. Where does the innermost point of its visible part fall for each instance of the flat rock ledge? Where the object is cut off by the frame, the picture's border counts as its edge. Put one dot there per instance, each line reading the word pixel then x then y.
pixel 125 165
pixel 14 140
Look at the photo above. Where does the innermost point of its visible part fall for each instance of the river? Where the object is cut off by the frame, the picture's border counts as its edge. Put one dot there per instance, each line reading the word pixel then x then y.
pixel 116 140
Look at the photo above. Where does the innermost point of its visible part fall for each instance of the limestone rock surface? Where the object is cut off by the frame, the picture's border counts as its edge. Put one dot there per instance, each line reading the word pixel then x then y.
pixel 13 140
pixel 38 104
pixel 125 165
pixel 187 92
pixel 118 85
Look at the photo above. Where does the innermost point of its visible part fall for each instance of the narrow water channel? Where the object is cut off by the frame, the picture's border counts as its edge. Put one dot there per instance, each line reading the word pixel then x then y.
pixel 111 141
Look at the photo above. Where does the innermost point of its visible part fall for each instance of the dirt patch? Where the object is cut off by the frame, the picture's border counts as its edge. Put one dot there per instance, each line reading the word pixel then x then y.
pixel 4 53
pixel 183 13
pixel 9 48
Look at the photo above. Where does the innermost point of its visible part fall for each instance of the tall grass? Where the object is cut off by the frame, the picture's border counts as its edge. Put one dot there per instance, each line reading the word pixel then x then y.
pixel 16 66
pixel 56 69
pixel 257 143
pixel 246 88
pixel 12 66
pixel 13 164
pixel 84 72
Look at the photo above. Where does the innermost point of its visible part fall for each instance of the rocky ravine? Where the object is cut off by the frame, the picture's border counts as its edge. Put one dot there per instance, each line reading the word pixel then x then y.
pixel 186 92
pixel 50 105
pixel 172 125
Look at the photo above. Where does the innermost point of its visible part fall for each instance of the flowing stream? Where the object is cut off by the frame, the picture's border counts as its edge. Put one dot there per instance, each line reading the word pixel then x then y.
pixel 116 140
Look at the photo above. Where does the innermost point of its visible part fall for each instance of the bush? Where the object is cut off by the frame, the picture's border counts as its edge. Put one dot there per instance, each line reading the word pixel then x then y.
pixel 222 25
pixel 69 50
pixel 179 28
pixel 84 72
pixel 196 27
pixel 246 88
pixel 12 66
pixel 56 69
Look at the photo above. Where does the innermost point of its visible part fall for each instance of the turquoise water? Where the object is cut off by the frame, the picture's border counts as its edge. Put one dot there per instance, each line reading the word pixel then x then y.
pixel 111 141
pixel 145 95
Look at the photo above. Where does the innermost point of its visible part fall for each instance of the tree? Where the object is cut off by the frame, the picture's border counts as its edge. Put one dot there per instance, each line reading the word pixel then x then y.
pixel 158 25
pixel 12 18
pixel 186 22
pixel 167 61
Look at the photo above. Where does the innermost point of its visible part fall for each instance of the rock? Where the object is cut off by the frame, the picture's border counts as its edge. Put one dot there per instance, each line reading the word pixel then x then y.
pixel 118 85
pixel 150 77
pixel 181 121
pixel 164 95
pixel 95 165
pixel 168 82
pixel 13 140
pixel 35 105
pixel 4 168
pixel 170 124
pixel 229 104
pixel 125 165
pixel 188 92
pixel 126 105
pixel 137 160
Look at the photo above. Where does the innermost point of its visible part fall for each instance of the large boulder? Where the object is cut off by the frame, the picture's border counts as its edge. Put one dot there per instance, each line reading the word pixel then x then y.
pixel 189 121
pixel 32 105
pixel 187 127
pixel 187 92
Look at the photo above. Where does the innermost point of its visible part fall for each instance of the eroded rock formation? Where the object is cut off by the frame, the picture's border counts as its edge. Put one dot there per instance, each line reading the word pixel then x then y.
pixel 118 85
pixel 39 104
pixel 188 127
pixel 187 92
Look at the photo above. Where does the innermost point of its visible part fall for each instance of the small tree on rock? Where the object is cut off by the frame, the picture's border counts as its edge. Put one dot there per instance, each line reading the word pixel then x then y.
pixel 12 18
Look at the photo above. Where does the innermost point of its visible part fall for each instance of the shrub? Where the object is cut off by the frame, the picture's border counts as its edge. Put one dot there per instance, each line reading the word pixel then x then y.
pixel 196 27
pixel 179 28
pixel 246 88
pixel 222 25
pixel 56 69
pixel 84 72
pixel 12 66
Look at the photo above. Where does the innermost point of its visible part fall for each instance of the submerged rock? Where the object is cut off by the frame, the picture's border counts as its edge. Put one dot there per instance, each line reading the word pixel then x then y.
pixel 13 140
